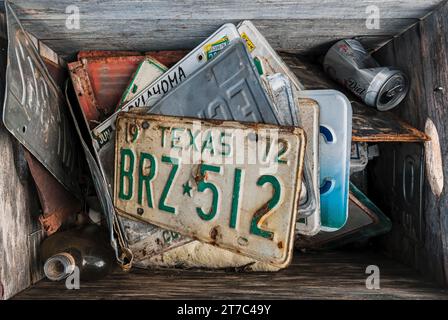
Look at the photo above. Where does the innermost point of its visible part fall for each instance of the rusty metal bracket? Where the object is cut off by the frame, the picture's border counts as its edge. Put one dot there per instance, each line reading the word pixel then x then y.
pixel 58 205
pixel 99 83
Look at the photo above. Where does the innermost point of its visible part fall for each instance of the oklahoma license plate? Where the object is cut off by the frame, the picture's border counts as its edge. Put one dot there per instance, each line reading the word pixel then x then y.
pixel 153 92
pixel 234 185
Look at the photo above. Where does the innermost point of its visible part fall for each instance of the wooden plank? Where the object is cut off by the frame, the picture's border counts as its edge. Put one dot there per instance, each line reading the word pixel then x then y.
pixel 160 25
pixel 226 9
pixel 422 53
pixel 17 207
pixel 369 124
pixel 168 29
pixel 186 34
pixel 68 48
pixel 316 275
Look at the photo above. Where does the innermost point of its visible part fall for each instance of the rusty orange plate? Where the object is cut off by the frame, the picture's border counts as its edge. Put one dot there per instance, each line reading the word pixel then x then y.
pixel 234 185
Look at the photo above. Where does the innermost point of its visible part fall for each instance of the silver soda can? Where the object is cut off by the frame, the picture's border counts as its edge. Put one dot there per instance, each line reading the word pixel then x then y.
pixel 351 65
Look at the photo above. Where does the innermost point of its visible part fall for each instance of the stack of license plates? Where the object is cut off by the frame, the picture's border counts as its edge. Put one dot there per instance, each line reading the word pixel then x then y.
pixel 224 160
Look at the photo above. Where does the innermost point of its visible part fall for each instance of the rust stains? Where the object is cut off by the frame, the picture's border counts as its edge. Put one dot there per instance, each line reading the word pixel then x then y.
pixel 371 125
pixel 260 215
pixel 168 57
pixel 100 77
pixel 198 176
pixel 59 206
pixel 214 233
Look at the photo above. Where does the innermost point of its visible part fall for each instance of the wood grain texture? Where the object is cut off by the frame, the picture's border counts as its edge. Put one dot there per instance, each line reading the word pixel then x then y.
pixel 177 34
pixel 19 233
pixel 168 25
pixel 14 206
pixel 219 10
pixel 317 275
pixel 20 230
pixel 422 53
pixel 68 47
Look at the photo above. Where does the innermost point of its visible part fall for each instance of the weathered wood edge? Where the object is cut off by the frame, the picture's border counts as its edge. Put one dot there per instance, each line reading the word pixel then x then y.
pixel 422 53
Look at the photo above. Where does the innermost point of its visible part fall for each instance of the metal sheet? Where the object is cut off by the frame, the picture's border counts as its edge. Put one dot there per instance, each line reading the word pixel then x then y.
pixel 241 71
pixel 84 93
pixel 279 89
pixel 147 247
pixel 358 157
pixel 202 192
pixel 154 92
pixel 99 83
pixel 104 144
pixel 230 89
pixel 59 206
pixel 34 110
pixel 109 77
pixel 123 255
pixel 147 72
pixel 123 230
pixel 365 221
pixel 146 240
pixel 334 155
pixel 259 47
pixel 309 115
pixel 270 63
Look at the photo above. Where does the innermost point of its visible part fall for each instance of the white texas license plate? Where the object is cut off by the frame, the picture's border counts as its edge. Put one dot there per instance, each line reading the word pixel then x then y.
pixel 234 185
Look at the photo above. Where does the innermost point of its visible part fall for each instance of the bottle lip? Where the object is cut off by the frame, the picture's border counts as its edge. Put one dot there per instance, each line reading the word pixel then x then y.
pixel 59 266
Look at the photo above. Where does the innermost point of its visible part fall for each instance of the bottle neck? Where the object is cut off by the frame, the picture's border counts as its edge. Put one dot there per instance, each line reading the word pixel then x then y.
pixel 59 266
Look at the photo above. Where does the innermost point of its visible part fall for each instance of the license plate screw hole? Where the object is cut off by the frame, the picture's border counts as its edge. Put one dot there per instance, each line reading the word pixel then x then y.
pixel 243 241
pixel 214 233
pixel 253 136
pixel 145 125
pixel 140 211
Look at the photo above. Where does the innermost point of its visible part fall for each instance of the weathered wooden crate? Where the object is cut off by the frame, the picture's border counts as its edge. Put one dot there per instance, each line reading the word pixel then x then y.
pixel 411 35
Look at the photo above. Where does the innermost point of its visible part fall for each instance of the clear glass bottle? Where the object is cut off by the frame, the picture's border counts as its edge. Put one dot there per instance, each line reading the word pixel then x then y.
pixel 85 247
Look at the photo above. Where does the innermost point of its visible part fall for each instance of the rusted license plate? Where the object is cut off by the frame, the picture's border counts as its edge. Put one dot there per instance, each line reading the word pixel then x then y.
pixel 234 185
